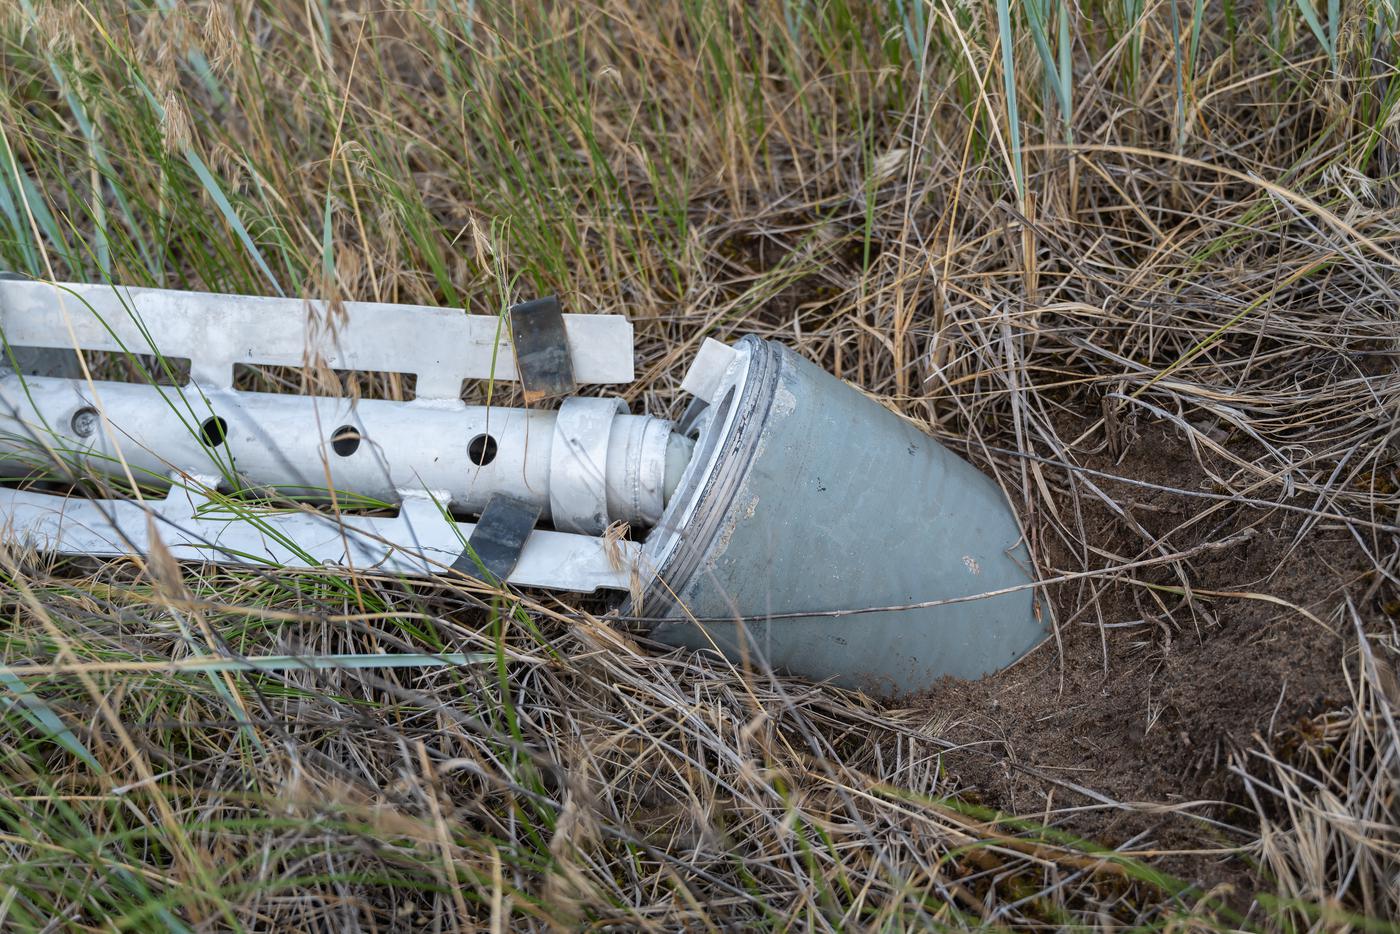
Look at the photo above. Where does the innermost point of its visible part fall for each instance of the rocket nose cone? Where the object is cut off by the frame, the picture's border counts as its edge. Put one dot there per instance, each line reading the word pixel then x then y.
pixel 839 542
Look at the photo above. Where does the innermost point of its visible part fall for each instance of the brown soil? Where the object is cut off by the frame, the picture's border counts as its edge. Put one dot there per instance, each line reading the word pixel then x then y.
pixel 1145 694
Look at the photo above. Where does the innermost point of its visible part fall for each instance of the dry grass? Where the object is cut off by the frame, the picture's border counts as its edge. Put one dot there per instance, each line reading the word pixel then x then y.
pixel 1201 247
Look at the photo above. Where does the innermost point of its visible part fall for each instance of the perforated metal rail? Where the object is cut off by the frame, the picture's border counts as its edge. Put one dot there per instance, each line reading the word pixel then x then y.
pixel 432 457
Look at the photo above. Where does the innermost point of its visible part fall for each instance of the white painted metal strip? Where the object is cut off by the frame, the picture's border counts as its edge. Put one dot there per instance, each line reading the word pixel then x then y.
pixel 418 542
pixel 442 347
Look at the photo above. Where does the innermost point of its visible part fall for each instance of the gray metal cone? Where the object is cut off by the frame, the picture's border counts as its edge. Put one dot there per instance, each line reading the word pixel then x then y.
pixel 825 501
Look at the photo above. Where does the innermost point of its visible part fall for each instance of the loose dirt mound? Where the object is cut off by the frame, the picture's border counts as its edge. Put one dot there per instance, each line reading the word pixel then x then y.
pixel 1123 723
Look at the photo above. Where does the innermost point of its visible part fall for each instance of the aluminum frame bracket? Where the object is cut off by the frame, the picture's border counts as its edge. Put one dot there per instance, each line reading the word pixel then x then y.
pixel 441 347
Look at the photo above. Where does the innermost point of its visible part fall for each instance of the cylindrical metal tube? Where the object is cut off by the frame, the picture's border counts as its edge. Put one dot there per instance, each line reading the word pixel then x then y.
pixel 304 446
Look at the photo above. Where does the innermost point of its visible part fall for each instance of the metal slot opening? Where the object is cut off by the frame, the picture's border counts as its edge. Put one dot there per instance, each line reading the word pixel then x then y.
pixel 112 365
pixel 357 384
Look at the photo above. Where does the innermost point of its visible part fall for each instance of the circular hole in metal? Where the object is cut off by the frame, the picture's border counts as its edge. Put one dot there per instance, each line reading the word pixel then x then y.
pixel 482 450
pixel 345 440
pixel 84 422
pixel 214 431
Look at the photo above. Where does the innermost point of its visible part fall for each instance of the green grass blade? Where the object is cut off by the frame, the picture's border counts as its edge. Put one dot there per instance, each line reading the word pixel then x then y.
pixel 1008 77
pixel 29 705
pixel 1324 35
pixel 216 194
